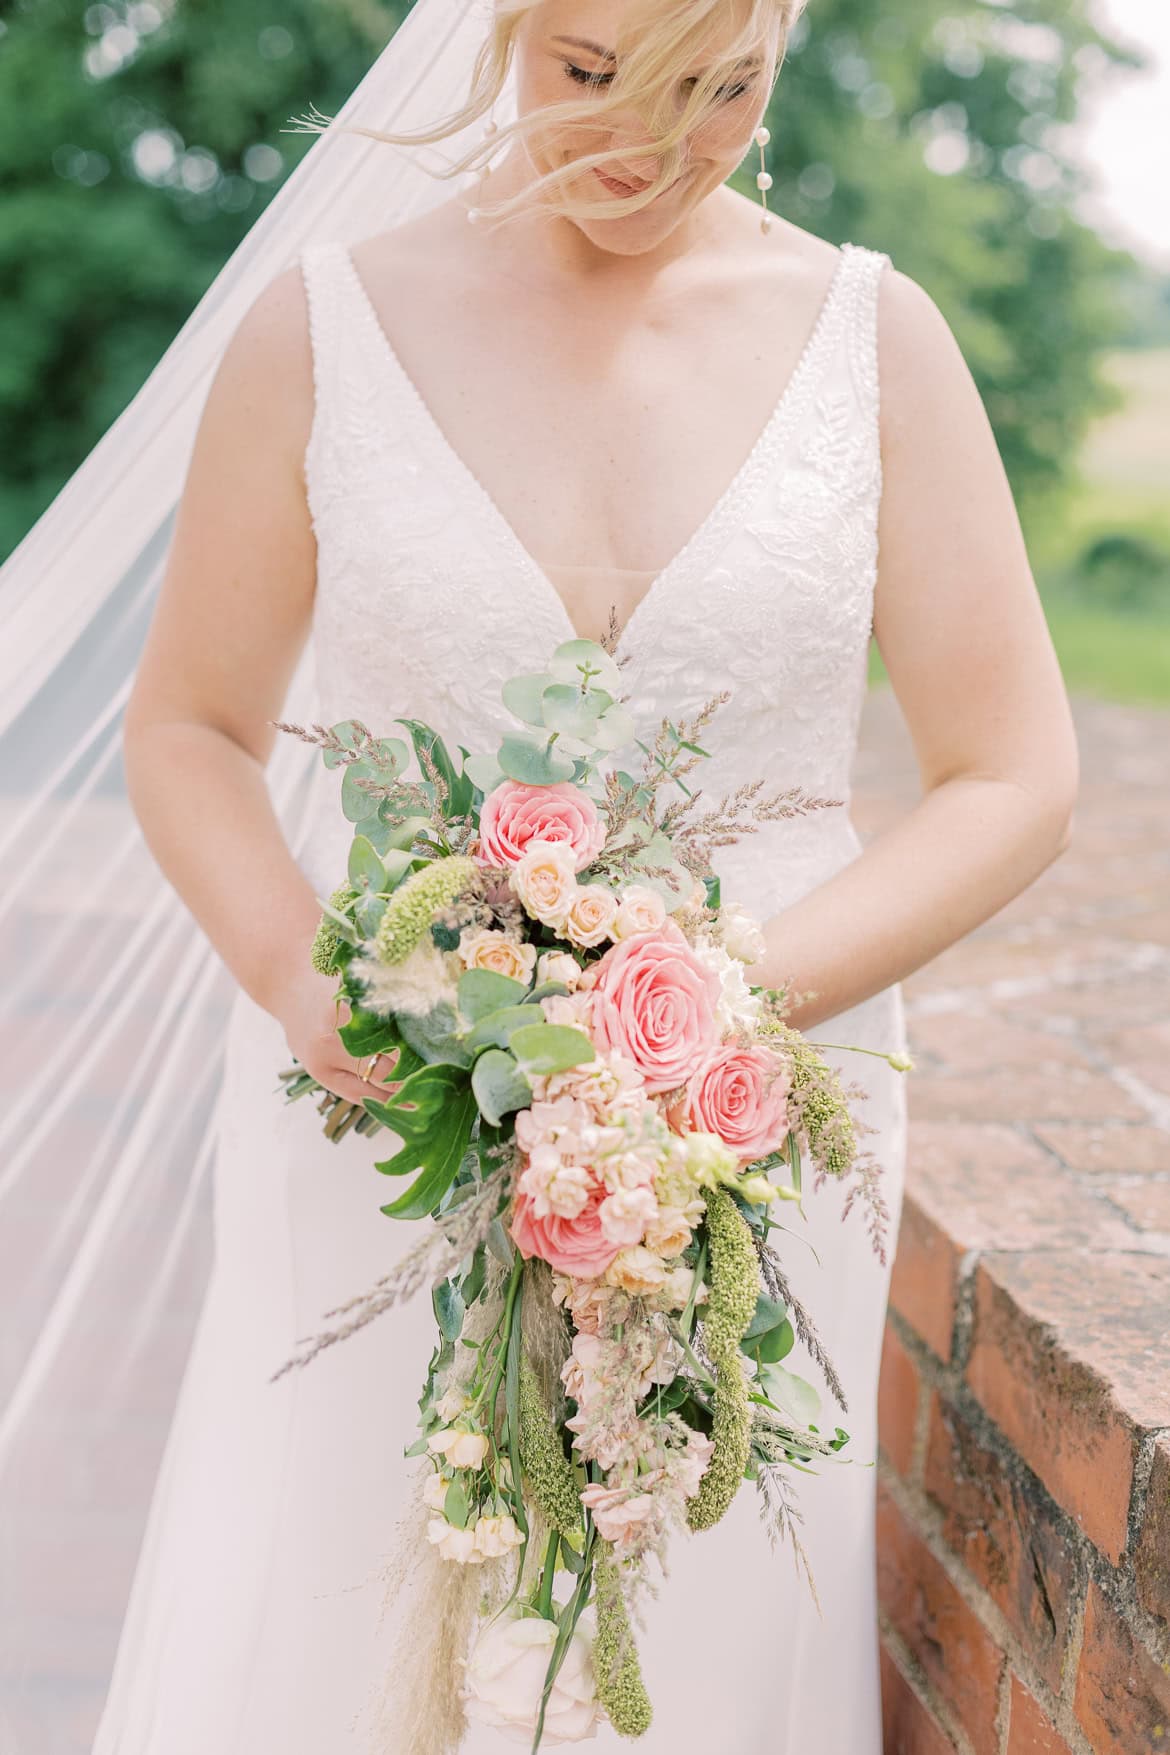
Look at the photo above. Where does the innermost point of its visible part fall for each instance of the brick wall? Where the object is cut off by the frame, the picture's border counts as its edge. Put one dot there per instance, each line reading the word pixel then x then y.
pixel 1024 1523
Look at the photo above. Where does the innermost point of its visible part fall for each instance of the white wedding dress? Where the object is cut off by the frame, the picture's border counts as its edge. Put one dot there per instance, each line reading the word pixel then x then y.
pixel 255 1622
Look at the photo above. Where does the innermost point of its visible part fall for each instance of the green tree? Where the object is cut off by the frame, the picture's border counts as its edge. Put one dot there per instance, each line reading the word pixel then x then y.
pixel 139 139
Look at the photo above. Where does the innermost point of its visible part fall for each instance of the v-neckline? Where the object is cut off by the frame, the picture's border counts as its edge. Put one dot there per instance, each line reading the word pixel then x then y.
pixel 707 534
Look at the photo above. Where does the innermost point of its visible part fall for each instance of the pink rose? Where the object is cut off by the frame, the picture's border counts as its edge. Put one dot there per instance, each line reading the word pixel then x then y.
pixel 513 814
pixel 577 1246
pixel 654 1002
pixel 741 1095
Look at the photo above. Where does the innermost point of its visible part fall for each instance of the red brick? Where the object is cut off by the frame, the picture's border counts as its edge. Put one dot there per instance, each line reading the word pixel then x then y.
pixel 1030 1732
pixel 1069 1361
pixel 958 1656
pixel 983 1042
pixel 925 1278
pixel 1119 1147
pixel 908 1726
pixel 1147 1206
pixel 1024 1095
pixel 1152 1558
pixel 1123 1693
pixel 990 1187
pixel 1009 1536
pixel 898 1398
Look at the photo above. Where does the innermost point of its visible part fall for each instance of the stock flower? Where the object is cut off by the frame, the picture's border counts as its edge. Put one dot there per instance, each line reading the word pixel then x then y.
pixel 463 1450
pixel 515 814
pixel 545 879
pixel 618 1512
pixel 504 1680
pixel 590 915
pixel 498 951
pixel 415 903
pixel 654 1002
pixel 640 909
pixel 625 1214
pixel 739 1094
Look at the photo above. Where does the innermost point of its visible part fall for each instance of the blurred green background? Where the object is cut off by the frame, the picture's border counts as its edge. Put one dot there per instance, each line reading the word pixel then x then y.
pixel 139 139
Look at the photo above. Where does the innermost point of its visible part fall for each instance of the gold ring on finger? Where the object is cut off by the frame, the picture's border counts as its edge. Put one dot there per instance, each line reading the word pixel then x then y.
pixel 367 1076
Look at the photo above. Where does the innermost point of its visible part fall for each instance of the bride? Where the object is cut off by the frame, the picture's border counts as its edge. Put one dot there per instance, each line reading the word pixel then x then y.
pixel 597 393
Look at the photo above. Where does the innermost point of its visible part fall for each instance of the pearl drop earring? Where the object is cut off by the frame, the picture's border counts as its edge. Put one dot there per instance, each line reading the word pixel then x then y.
pixel 763 177
pixel 475 212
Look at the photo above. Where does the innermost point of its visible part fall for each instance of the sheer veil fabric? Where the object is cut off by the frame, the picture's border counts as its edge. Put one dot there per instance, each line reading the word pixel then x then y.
pixel 113 1003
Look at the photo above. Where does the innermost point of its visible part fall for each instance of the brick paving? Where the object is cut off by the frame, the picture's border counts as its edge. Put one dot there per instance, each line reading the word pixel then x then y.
pixel 1025 1526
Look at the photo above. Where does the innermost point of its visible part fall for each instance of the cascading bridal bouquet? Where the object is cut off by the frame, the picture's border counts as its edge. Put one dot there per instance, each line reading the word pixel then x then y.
pixel 602 1118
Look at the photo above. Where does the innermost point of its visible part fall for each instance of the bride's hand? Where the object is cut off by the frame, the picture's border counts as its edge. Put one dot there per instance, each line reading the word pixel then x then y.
pixel 311 1015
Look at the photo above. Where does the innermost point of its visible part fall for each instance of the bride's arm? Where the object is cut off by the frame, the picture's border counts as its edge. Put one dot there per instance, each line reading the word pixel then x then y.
pixel 961 630
pixel 231 621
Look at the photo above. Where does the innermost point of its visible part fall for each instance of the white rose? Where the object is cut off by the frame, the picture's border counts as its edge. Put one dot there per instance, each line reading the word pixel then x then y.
pixel 463 1450
pixel 453 1543
pixel 740 933
pixel 590 915
pixel 558 966
pixel 640 909
pixel 451 1404
pixel 737 1006
pixel 435 1490
pixel 496 1535
pixel 545 880
pixel 504 1680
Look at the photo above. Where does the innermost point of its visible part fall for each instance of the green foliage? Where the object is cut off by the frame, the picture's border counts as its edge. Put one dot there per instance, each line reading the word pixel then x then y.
pixel 137 156
pixel 432 1114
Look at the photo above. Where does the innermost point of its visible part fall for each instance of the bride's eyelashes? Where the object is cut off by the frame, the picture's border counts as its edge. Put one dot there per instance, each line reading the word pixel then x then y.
pixel 586 76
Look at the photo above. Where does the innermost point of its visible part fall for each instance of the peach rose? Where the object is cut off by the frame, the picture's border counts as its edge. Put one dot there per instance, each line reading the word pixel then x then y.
pixel 636 1271
pixel 590 916
pixel 514 814
pixel 654 1002
pixel 741 1095
pixel 577 1247
pixel 545 879
pixel 489 949
pixel 640 909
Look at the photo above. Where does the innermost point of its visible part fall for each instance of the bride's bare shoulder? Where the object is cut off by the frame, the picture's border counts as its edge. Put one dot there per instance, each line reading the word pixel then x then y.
pixel 266 371
pixel 925 382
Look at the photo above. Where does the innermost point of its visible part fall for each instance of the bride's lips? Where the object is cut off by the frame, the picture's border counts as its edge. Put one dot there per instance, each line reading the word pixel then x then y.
pixel 620 186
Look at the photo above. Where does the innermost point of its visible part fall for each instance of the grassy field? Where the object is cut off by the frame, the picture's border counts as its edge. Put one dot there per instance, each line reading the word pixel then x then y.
pixel 1118 654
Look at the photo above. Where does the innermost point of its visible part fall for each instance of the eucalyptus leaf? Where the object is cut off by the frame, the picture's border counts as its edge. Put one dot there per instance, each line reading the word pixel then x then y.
pixel 346 732
pixel 571 655
pixel 499 1085
pixel 499 1243
pixel 365 865
pixel 533 761
pixel 543 1049
pixel 435 1037
pixel 494 1029
pixel 769 1313
pixel 522 696
pixel 447 1302
pixel 368 911
pixel 570 711
pixel 483 772
pixel 355 801
pixel 481 991
pixel 791 1394
pixel 614 729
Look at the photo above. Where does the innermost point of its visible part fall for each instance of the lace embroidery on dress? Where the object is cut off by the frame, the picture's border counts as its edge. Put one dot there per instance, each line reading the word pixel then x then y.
pixel 426 599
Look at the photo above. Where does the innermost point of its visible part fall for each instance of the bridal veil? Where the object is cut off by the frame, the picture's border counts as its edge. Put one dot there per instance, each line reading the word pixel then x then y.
pixel 113 1002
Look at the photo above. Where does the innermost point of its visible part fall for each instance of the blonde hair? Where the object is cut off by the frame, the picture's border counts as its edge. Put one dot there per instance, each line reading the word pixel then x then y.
pixel 656 54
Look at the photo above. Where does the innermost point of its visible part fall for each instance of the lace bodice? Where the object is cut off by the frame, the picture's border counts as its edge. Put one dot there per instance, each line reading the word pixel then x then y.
pixel 426 600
